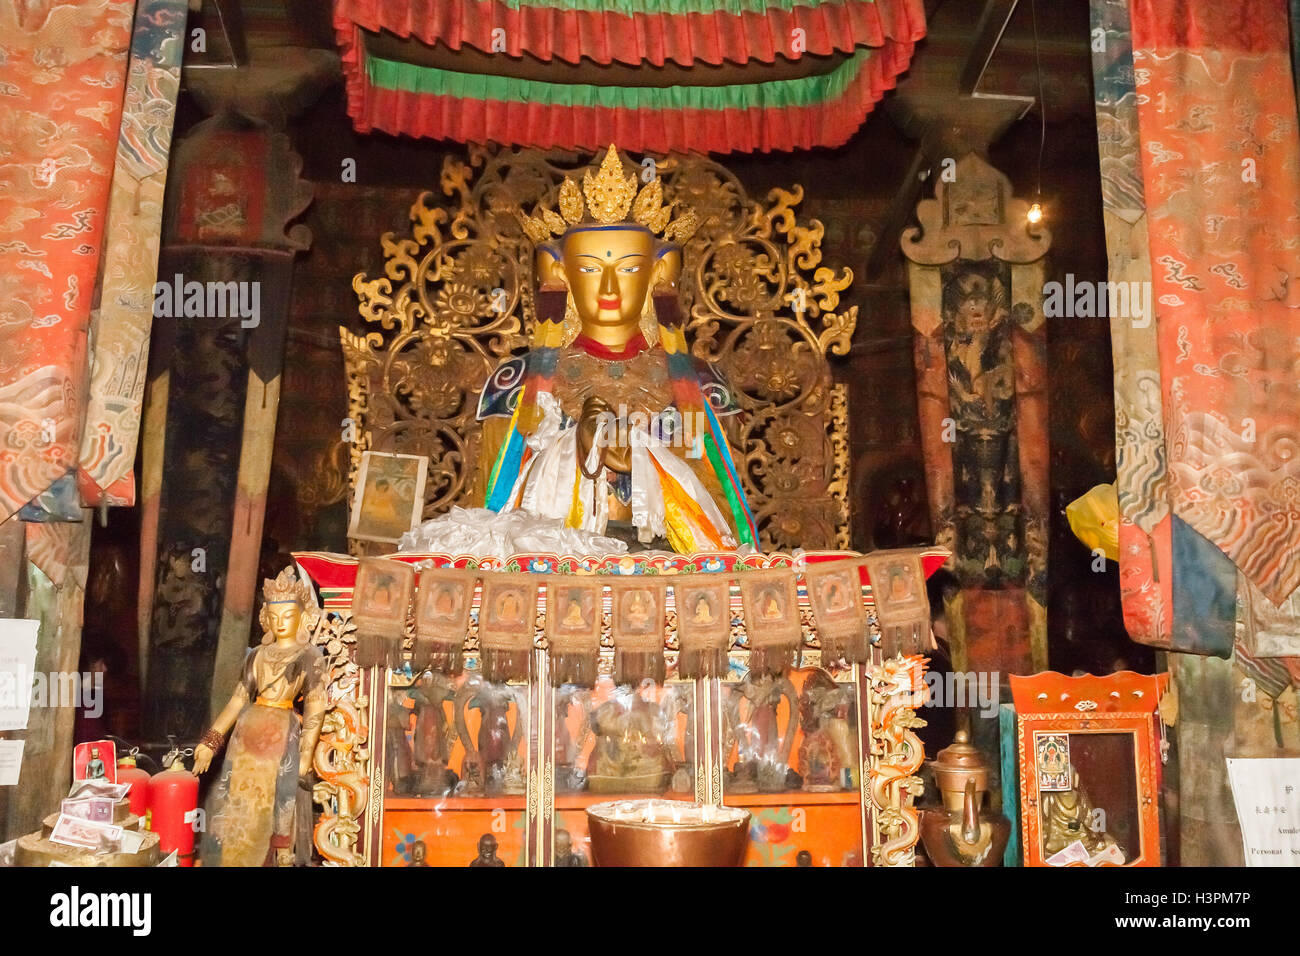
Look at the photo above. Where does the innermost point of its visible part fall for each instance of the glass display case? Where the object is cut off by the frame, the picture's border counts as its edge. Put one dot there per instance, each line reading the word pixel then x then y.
pixel 459 770
pixel 616 741
pixel 455 769
pixel 792 755
pixel 1089 768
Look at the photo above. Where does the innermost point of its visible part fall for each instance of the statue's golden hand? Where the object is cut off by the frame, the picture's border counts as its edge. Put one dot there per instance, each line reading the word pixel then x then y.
pixel 616 457
pixel 202 759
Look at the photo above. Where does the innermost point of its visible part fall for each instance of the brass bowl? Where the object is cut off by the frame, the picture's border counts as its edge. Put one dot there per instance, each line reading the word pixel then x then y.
pixel 646 833
pixel 641 783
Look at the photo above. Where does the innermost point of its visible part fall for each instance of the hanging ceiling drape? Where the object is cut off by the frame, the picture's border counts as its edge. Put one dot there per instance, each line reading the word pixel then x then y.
pixel 741 75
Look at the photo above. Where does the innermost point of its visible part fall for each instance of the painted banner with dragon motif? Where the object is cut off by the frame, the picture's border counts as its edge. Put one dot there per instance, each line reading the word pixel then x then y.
pixel 1141 476
pixel 1221 167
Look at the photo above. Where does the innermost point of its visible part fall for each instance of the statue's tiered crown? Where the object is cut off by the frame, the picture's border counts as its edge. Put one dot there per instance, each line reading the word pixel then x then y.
pixel 286 588
pixel 609 198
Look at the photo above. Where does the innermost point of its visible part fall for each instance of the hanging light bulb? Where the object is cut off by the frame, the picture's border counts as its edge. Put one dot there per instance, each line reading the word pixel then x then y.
pixel 1035 214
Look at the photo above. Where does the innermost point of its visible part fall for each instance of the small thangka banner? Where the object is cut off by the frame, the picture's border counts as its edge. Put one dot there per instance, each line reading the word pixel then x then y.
pixel 637 625
pixel 381 600
pixel 703 624
pixel 902 605
pixel 573 616
pixel 442 618
pixel 507 619
pixel 835 593
pixel 771 619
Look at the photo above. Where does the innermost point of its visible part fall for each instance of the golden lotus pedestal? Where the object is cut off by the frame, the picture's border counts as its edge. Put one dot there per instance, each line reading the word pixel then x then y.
pixel 667 833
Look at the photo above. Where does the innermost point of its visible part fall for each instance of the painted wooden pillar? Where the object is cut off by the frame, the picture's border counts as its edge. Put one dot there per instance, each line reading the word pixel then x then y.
pixel 976 271
pixel 55 556
pixel 221 308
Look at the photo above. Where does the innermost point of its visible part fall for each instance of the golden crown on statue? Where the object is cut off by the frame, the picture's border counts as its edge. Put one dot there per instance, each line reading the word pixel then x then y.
pixel 286 587
pixel 608 199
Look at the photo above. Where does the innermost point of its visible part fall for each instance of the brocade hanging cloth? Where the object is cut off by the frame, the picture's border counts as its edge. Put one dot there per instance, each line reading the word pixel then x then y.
pixel 835 593
pixel 1221 170
pixel 637 626
pixel 772 622
pixel 1141 476
pixel 1178 589
pixel 442 618
pixel 703 604
pixel 574 614
pixel 60 105
pixel 507 621
pixel 120 327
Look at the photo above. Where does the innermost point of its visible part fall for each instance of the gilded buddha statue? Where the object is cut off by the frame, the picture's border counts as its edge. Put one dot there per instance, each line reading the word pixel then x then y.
pixel 607 422
pixel 1067 818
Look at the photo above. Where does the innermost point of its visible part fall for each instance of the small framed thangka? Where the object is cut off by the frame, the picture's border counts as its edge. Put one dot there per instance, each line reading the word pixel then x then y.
pixel 703 624
pixel 95 760
pixel 1089 768
pixel 381 601
pixel 389 496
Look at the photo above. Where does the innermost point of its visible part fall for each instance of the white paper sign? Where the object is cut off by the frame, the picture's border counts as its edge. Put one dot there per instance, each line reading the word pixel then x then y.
pixel 11 761
pixel 1266 791
pixel 17 662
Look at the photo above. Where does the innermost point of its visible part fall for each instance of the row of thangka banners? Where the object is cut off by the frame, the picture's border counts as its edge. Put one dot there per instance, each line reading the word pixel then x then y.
pixel 504 613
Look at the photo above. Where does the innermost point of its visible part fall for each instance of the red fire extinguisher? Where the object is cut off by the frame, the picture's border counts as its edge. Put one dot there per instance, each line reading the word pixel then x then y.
pixel 173 808
pixel 137 780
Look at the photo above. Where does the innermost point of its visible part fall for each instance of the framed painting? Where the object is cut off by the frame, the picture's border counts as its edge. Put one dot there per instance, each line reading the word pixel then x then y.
pixel 95 760
pixel 389 496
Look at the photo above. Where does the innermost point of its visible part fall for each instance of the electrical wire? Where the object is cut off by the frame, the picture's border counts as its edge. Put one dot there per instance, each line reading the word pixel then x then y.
pixel 1042 105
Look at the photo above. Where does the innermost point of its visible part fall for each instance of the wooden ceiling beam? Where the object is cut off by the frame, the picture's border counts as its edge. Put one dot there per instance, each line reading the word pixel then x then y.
pixel 992 24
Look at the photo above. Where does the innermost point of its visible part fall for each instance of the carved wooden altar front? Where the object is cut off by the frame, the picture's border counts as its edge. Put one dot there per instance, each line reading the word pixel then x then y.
pixel 456 298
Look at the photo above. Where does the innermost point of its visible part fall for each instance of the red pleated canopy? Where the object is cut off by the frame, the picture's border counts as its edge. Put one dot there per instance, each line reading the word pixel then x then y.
pixel 657 75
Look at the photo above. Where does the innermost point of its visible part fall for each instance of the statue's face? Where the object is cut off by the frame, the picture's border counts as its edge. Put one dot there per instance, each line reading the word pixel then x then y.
pixel 609 271
pixel 284 617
